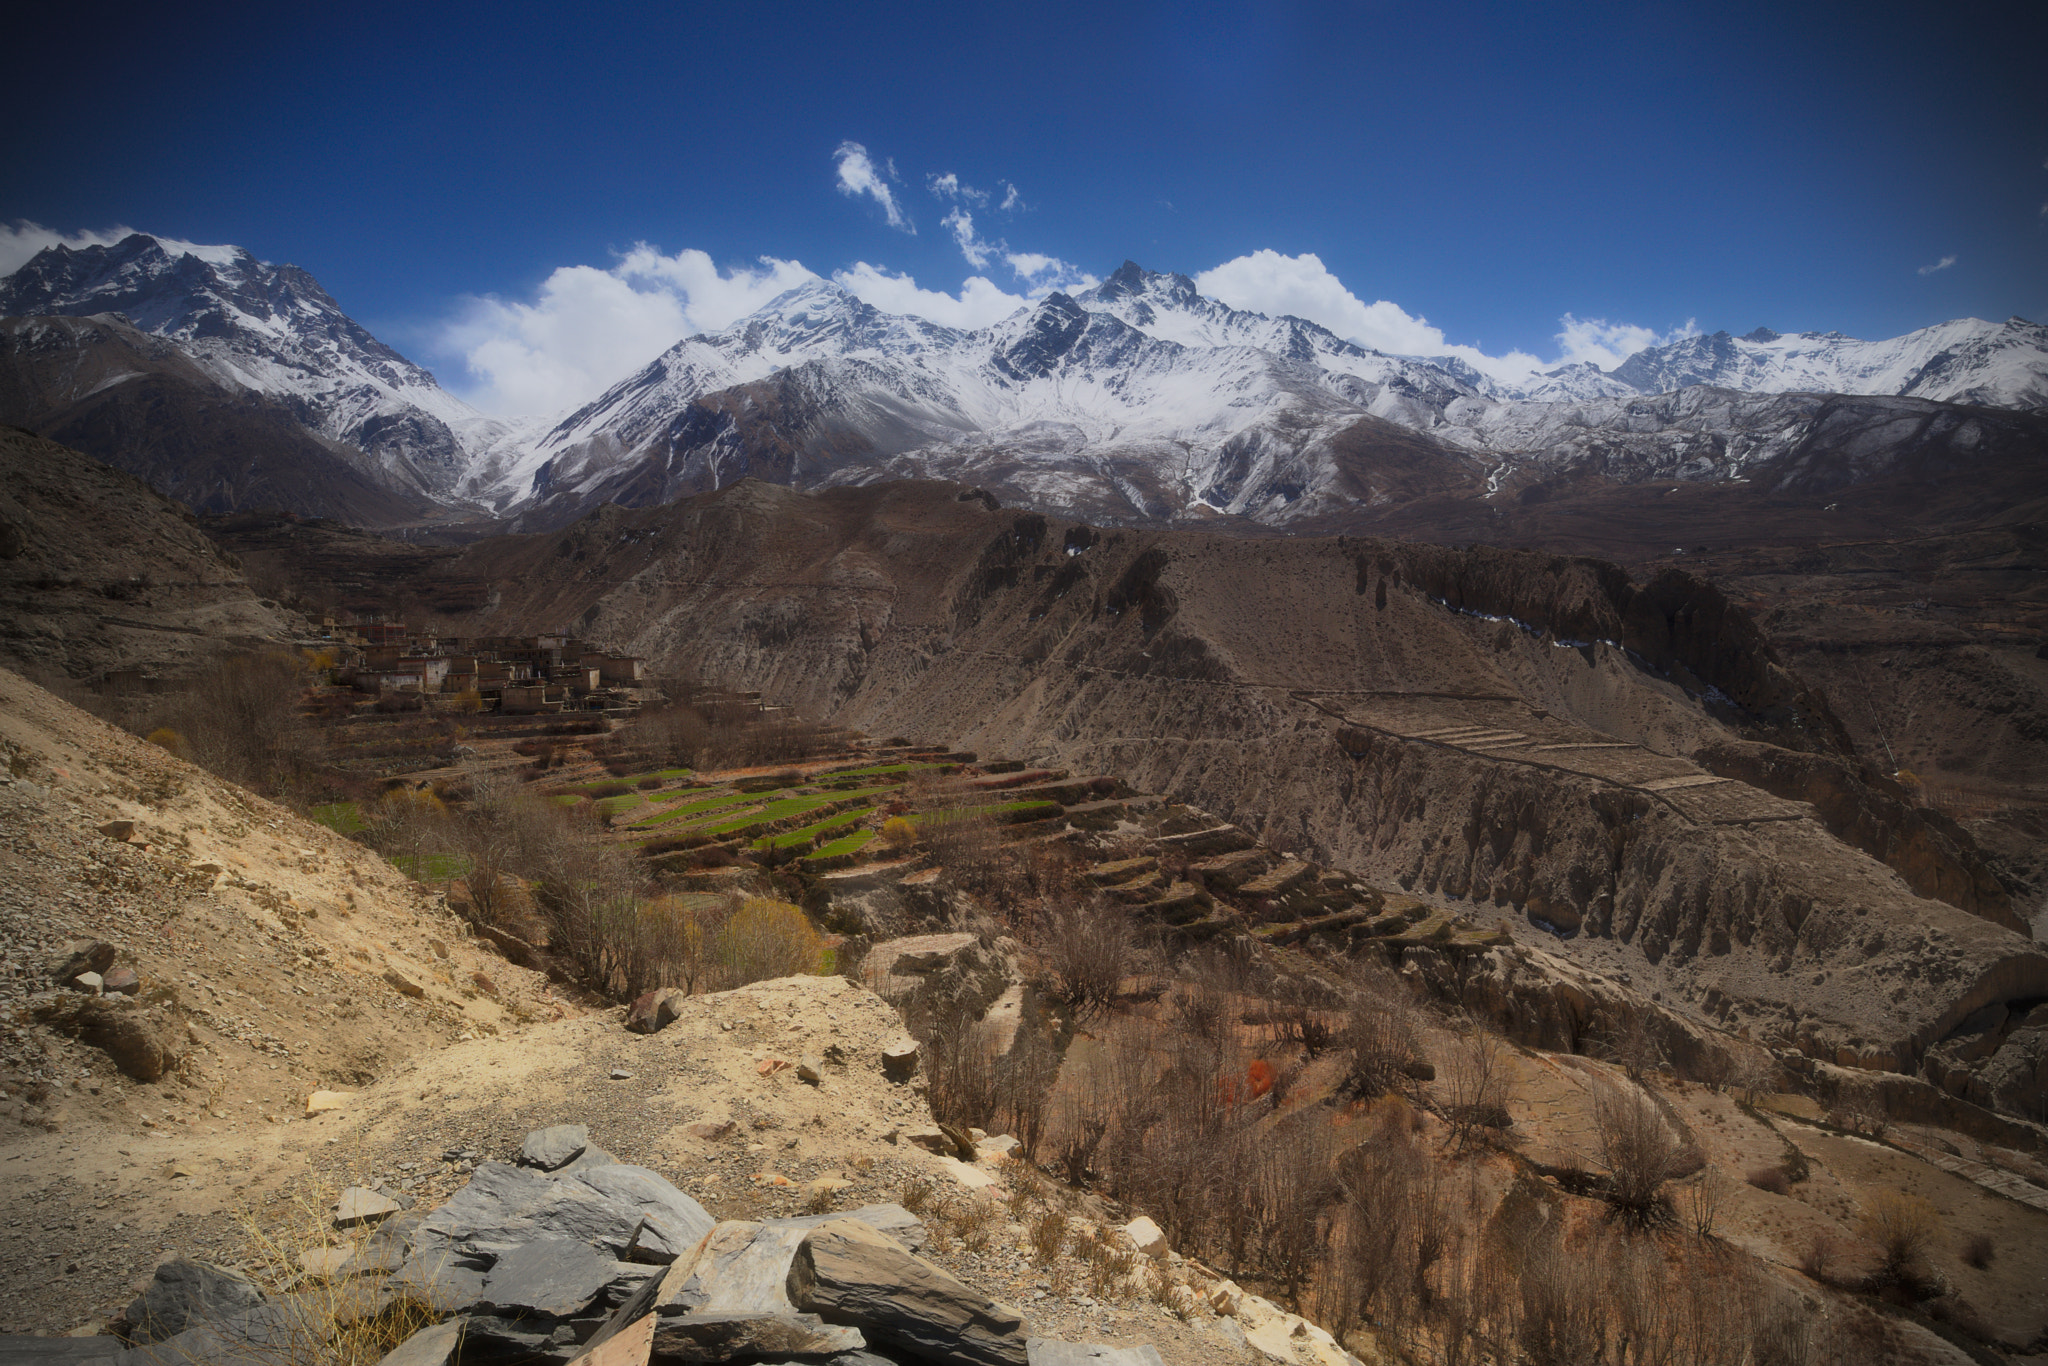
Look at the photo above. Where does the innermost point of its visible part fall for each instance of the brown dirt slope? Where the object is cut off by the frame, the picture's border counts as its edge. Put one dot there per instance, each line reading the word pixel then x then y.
pixel 97 572
pixel 275 958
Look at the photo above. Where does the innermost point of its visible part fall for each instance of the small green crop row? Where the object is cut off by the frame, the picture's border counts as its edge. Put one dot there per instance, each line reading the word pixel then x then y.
pixel 811 832
pixel 1012 811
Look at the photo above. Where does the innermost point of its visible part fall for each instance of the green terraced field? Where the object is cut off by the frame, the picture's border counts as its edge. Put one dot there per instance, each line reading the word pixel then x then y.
pixel 811 832
pixel 992 809
pixel 846 844
pixel 625 801
pixel 701 807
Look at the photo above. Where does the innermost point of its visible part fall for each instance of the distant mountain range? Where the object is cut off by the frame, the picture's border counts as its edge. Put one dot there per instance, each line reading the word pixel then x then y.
pixel 1140 400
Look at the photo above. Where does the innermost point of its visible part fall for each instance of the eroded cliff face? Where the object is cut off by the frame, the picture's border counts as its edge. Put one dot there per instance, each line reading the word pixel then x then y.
pixel 1510 731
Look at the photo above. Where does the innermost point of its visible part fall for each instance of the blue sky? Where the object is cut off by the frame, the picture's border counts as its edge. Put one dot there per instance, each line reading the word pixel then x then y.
pixel 472 182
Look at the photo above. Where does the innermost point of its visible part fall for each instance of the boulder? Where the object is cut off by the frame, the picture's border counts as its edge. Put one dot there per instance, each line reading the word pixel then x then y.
pixel 185 1293
pixel 1146 1237
pixel 81 955
pixel 929 1137
pixel 969 1176
pixel 91 983
pixel 998 1148
pixel 326 1262
pixel 389 1244
pixel 614 1208
pixel 557 1277
pixel 738 1266
pixel 320 1102
pixel 118 830
pixel 654 1011
pixel 496 1337
pixel 122 982
pixel 359 1205
pixel 555 1146
pixel 848 1273
pixel 403 984
pixel 899 1059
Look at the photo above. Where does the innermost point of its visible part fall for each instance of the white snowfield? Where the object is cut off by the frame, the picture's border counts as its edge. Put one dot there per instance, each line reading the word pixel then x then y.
pixel 1141 389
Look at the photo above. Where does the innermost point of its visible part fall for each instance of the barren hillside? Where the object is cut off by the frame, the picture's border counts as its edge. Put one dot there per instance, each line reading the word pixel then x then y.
pixel 1626 764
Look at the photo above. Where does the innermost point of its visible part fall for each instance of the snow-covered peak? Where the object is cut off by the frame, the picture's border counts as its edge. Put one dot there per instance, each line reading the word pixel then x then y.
pixel 270 329
pixel 1967 360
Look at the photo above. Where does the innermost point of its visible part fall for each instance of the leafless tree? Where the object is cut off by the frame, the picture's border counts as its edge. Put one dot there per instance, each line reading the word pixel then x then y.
pixel 1638 1152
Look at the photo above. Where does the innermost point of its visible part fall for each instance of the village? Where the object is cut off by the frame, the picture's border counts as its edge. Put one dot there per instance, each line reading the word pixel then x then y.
pixel 511 675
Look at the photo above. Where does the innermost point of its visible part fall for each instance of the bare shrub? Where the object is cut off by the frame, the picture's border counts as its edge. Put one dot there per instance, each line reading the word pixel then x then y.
pixel 960 1065
pixel 1638 1152
pixel 1978 1250
pixel 1903 1227
pixel 1478 1092
pixel 1818 1258
pixel 1377 1041
pixel 243 720
pixel 1086 950
pixel 1701 1200
pixel 1303 1013
pixel 1772 1179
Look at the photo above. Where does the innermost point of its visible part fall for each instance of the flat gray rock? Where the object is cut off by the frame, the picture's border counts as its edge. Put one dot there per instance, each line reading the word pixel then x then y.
pixel 606 1207
pixel 592 1156
pixel 1053 1352
pixel 558 1277
pixel 431 1346
pixel 185 1293
pixel 848 1272
pixel 724 1335
pixel 555 1146
pixel 489 1337
pixel 359 1205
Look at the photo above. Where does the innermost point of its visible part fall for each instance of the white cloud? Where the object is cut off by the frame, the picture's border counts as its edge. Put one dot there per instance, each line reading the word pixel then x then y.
pixel 1943 264
pixel 1606 344
pixel 1267 282
pixel 977 252
pixel 979 303
pixel 858 175
pixel 948 186
pixel 588 328
pixel 1011 200
pixel 22 239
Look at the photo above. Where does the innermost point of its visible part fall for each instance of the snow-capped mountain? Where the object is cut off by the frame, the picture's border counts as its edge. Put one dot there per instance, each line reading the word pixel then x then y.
pixel 270 330
pixel 1140 399
pixel 1998 365
pixel 1211 404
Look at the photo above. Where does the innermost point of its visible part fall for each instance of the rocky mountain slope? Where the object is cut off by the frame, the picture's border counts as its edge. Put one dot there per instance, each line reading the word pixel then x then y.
pixel 270 330
pixel 140 403
pixel 98 573
pixel 1519 732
